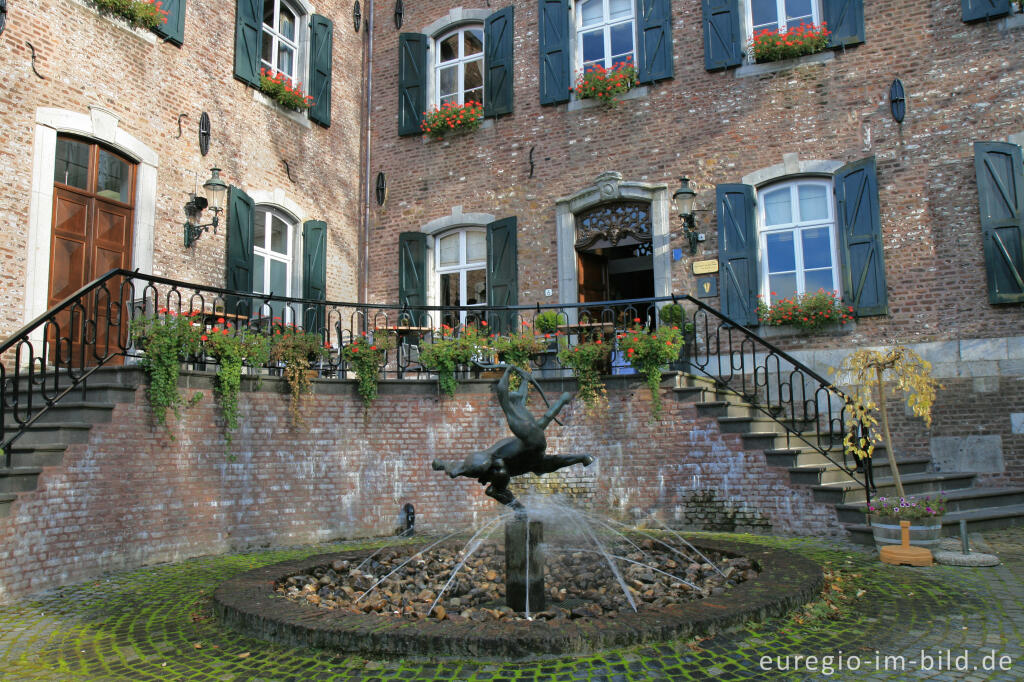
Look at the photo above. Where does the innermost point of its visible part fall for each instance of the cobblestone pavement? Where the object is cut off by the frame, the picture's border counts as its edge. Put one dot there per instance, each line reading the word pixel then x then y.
pixel 157 624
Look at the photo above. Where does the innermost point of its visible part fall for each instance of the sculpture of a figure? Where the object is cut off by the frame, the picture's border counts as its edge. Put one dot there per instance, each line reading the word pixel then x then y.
pixel 524 453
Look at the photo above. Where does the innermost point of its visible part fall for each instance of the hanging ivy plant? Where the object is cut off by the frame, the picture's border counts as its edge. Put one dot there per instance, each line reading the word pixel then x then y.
pixel 167 339
pixel 365 356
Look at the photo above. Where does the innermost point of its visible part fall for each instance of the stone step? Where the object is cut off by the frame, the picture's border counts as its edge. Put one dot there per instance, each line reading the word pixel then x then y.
pixel 913 484
pixel 965 499
pixel 96 390
pixel 43 455
pixel 981 519
pixel 18 479
pixel 6 500
pixel 54 432
pixel 805 455
pixel 817 474
pixel 120 376
pixel 90 411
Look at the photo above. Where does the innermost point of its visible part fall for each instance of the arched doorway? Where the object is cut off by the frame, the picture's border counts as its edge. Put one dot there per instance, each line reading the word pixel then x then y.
pixel 613 249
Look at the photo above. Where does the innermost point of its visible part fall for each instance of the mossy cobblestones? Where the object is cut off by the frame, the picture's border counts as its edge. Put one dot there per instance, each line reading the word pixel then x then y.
pixel 157 624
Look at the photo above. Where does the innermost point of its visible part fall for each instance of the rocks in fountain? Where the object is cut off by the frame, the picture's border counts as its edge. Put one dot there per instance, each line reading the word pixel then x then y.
pixel 579 585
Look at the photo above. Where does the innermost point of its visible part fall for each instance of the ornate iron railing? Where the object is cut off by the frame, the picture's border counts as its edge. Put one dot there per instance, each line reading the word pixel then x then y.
pixel 59 351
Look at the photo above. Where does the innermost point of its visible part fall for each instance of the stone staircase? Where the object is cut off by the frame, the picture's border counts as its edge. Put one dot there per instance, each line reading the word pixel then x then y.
pixel 983 508
pixel 70 421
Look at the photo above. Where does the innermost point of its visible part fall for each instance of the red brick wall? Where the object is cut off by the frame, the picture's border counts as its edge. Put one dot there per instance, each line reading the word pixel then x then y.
pixel 964 83
pixel 131 496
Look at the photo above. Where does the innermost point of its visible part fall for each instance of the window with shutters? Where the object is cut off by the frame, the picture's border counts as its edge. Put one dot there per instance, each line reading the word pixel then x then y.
pixel 459 66
pixel 274 237
pixel 282 38
pixel 605 33
pixel 797 239
pixel 461 268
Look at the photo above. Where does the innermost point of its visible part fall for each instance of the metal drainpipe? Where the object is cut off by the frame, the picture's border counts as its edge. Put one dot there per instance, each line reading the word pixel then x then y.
pixel 364 294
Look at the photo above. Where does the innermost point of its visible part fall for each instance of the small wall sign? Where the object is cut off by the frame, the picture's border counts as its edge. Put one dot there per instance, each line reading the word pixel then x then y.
pixel 705 267
pixel 707 287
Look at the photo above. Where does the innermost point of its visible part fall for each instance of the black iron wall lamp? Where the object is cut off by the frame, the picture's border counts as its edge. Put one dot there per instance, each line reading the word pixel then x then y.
pixel 216 191
pixel 683 199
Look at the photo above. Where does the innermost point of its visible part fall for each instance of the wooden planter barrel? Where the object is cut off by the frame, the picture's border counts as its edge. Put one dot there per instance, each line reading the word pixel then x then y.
pixel 923 532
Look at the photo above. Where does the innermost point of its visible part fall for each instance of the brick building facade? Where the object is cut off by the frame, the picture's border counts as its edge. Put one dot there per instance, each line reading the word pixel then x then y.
pixel 906 244
pixel 79 82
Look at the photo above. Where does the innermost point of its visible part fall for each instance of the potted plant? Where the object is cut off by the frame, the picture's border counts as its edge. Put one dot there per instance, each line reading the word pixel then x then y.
pixel 597 82
pixel 167 339
pixel 807 312
pixel 517 350
pixel 673 315
pixel 924 513
pixel 138 13
pixel 284 91
pixel 769 45
pixel 586 360
pixel 867 370
pixel 452 118
pixel 448 350
pixel 296 349
pixel 232 348
pixel 649 351
pixel 366 355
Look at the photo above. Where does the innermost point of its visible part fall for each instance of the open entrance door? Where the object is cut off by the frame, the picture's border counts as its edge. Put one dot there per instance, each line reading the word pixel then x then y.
pixel 613 249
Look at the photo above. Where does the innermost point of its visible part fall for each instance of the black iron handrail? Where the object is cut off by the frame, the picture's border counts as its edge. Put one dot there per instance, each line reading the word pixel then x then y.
pixel 63 347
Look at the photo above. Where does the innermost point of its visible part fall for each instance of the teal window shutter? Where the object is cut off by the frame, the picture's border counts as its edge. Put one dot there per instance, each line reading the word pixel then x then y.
pixel 412 271
pixel 173 31
pixel 240 237
pixel 654 40
pixel 248 36
pixel 412 82
pixel 498 53
pixel 723 45
pixel 979 10
pixel 502 272
pixel 845 20
pixel 321 41
pixel 1000 174
pixel 553 31
pixel 860 238
pixel 737 252
pixel 314 271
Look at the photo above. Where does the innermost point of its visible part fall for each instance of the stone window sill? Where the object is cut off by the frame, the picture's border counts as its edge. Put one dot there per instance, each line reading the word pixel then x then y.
pixel 1015 20
pixel 639 92
pixel 296 117
pixel 142 34
pixel 751 70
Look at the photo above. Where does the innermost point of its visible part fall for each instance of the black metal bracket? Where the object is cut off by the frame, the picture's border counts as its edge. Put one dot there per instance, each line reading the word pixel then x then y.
pixel 180 116
pixel 41 76
pixel 288 171
pixel 531 161
pixel 399 13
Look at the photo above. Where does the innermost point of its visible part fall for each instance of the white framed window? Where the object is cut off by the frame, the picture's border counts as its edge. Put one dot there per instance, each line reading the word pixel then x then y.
pixel 274 247
pixel 459 66
pixel 605 33
pixel 781 15
pixel 461 270
pixel 283 37
pixel 797 235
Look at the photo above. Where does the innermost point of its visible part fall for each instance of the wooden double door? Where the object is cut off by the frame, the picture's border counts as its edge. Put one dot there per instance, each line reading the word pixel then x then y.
pixel 93 214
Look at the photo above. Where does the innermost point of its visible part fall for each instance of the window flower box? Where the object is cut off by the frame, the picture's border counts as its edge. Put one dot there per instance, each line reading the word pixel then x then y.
pixel 771 46
pixel 806 312
pixel 597 82
pixel 452 118
pixel 138 13
pixel 280 88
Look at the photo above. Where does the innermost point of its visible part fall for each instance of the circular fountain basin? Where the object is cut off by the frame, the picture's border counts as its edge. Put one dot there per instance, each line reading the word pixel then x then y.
pixel 250 603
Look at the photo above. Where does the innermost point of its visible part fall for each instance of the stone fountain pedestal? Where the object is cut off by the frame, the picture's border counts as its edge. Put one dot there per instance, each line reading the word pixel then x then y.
pixel 524 565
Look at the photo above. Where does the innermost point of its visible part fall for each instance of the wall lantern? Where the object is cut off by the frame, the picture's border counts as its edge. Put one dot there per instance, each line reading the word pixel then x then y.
pixel 216 190
pixel 897 100
pixel 357 16
pixel 399 11
pixel 382 188
pixel 683 199
pixel 3 15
